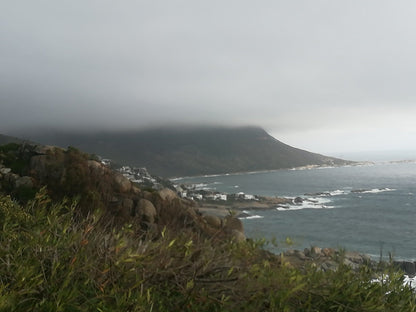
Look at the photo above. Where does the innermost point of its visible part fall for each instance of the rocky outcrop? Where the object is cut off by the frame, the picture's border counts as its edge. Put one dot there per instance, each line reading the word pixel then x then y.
pixel 325 258
pixel 25 168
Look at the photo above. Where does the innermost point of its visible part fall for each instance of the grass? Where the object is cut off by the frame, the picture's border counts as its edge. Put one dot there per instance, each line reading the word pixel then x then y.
pixel 52 259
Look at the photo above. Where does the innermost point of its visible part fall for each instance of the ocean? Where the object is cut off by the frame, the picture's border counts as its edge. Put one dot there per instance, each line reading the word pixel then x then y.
pixel 369 209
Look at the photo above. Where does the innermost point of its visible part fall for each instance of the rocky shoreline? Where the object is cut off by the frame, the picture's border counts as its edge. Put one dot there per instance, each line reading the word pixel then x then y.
pixel 323 258
pixel 223 208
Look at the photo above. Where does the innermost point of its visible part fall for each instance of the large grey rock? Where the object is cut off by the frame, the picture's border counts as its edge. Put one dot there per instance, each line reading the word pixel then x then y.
pixel 232 223
pixel 146 210
pixel 122 184
pixel 329 265
pixel 213 221
pixel 167 194
pixel 328 252
pixel 237 236
pixel 24 181
pixel 97 167
pixel 298 200
pixel 316 252
pixel 5 170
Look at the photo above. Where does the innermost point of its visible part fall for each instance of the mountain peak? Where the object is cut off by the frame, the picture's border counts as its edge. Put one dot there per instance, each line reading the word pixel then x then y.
pixel 197 150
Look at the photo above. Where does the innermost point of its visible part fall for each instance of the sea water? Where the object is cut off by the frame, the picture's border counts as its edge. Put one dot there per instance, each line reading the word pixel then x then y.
pixel 370 209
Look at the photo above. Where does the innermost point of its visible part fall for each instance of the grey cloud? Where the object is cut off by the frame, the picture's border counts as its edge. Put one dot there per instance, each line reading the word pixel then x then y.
pixel 290 66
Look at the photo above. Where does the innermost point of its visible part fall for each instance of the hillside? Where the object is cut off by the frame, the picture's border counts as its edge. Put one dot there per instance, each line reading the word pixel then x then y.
pixel 5 139
pixel 171 152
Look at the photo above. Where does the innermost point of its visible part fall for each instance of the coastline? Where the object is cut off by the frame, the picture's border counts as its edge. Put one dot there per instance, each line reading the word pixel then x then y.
pixel 222 209
pixel 306 167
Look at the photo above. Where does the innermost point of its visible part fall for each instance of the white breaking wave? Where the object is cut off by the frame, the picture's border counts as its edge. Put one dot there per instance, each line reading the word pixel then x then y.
pixel 338 192
pixel 248 216
pixel 321 200
pixel 374 191
pixel 254 217
pixel 355 191
pixel 307 203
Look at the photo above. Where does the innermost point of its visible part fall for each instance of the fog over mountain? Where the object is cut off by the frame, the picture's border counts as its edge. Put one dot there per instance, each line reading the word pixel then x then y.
pixel 326 76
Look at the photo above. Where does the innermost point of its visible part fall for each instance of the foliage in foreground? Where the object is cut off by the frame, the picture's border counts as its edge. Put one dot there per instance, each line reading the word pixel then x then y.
pixel 51 260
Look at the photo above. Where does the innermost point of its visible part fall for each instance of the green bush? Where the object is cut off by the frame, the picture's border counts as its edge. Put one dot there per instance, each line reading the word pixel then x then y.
pixel 11 158
pixel 53 260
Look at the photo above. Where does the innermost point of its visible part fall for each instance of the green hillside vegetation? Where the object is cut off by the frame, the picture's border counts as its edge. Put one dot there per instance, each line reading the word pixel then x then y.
pixel 53 261
pixel 173 152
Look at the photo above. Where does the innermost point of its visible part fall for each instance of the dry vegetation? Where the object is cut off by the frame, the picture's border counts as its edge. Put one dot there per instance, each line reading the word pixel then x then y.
pixel 50 260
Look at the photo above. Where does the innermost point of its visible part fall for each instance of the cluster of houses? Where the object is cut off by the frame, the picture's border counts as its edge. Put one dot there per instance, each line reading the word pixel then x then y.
pixel 194 192
pixel 137 175
pixel 186 191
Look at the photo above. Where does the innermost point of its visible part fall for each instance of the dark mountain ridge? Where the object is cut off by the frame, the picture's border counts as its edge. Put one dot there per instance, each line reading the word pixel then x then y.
pixel 173 152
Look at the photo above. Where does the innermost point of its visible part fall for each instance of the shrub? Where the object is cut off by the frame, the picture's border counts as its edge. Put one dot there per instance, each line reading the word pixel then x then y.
pixel 53 260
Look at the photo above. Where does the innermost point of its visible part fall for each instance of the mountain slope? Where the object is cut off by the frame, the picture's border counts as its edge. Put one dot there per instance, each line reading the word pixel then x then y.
pixel 5 139
pixel 173 152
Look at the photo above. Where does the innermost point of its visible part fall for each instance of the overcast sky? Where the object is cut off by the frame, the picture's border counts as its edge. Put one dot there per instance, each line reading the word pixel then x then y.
pixel 328 76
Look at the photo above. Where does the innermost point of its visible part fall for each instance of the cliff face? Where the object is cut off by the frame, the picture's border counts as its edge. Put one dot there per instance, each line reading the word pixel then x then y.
pixel 173 152
pixel 69 173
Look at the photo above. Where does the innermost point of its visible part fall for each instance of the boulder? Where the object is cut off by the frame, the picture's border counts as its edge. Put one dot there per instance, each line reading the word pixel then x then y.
pixel 328 252
pixel 146 210
pixel 356 257
pixel 24 181
pixel 213 221
pixel 237 236
pixel 351 264
pixel 329 266
pixel 167 194
pixel 5 170
pixel 316 252
pixel 232 223
pixel 298 200
pixel 97 168
pixel 122 184
pixel 299 254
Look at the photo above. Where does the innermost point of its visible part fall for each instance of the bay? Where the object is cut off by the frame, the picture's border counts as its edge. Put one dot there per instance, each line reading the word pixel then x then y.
pixel 370 209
